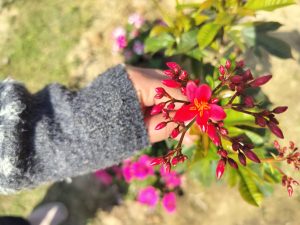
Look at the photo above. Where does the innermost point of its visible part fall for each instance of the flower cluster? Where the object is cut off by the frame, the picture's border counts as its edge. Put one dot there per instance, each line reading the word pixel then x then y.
pixel 128 40
pixel 159 184
pixel 207 109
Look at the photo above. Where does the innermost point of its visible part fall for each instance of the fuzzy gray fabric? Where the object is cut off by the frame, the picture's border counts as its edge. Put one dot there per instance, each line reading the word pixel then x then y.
pixel 56 133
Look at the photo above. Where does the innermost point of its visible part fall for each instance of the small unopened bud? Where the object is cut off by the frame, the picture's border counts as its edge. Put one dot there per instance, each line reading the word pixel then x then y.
pixel 220 168
pixel 214 100
pixel 183 90
pixel 280 109
pixel 236 79
pixel 222 70
pixel 175 132
pixel 290 190
pixel 260 121
pixel 247 75
pixel 240 64
pixel 242 159
pixel 232 163
pixel 249 101
pixel 183 75
pixel 157 108
pixel 171 83
pixel 160 90
pixel 160 125
pixel 156 161
pixel 275 129
pixel 260 81
pixel 252 156
pixel 223 131
pixel 175 160
pixel 170 73
pixel 222 152
pixel 167 167
pixel 228 64
pixel 235 146
pixel 174 66
pixel 171 106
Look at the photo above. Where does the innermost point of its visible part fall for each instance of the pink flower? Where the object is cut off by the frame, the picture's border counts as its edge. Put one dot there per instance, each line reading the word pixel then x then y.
pixel 136 20
pixel 138 48
pixel 202 109
pixel 141 169
pixel 148 196
pixel 171 179
pixel 169 202
pixel 104 177
pixel 120 40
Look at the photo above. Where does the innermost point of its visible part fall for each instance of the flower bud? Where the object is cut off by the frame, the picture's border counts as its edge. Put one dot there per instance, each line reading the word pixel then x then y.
pixel 222 152
pixel 220 168
pixel 174 66
pixel 276 144
pixel 232 163
pixel 260 81
pixel 223 131
pixel 252 156
pixel 171 106
pixel 175 160
pixel 240 64
pixel 280 109
pixel 235 146
pixel 290 190
pixel 183 90
pixel 160 90
pixel 156 161
pixel 170 73
pixel 157 108
pixel 214 100
pixel 160 125
pixel 227 64
pixel 175 132
pixel 249 101
pixel 260 121
pixel 183 75
pixel 171 83
pixel 236 79
pixel 242 159
pixel 247 75
pixel 167 167
pixel 165 113
pixel 222 70
pixel 275 129
pixel 158 96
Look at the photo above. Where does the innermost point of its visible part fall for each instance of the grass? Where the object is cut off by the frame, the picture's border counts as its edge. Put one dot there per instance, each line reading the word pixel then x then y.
pixel 43 34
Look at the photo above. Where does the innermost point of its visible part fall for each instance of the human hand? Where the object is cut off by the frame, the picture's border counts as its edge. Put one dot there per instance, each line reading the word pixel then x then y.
pixel 145 81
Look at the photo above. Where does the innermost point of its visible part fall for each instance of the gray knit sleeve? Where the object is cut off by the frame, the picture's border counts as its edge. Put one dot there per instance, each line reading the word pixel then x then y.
pixel 56 133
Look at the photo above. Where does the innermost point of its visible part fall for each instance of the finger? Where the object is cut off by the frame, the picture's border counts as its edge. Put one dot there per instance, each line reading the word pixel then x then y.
pixel 158 135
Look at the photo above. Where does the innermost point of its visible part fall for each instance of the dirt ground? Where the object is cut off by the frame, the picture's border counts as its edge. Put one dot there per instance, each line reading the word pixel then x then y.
pixel 90 203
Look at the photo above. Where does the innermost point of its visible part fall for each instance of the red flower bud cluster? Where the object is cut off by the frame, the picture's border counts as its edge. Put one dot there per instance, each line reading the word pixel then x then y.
pixel 222 163
pixel 290 154
pixel 288 182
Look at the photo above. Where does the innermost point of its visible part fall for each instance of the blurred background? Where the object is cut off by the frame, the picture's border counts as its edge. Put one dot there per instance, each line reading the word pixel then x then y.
pixel 69 42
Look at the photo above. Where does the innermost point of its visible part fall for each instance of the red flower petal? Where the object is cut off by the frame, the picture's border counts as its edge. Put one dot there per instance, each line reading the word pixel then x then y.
pixel 203 93
pixel 191 89
pixel 202 120
pixel 213 135
pixel 185 113
pixel 216 112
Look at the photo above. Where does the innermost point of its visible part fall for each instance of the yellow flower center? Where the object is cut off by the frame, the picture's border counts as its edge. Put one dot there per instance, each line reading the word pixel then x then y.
pixel 200 106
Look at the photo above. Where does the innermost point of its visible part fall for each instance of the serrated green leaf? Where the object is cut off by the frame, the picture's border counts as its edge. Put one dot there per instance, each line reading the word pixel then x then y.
pixel 248 189
pixel 274 45
pixel 207 34
pixel 267 5
pixel 154 44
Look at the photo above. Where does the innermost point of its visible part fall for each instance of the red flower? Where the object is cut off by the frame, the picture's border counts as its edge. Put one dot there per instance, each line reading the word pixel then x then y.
pixel 201 107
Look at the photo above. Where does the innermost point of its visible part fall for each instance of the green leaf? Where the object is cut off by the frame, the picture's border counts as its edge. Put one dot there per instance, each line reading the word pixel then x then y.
pixel 274 45
pixel 158 29
pixel 248 188
pixel 154 44
pixel 196 54
pixel 237 118
pixel 207 34
pixel 267 5
pixel 266 26
pixel 187 41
